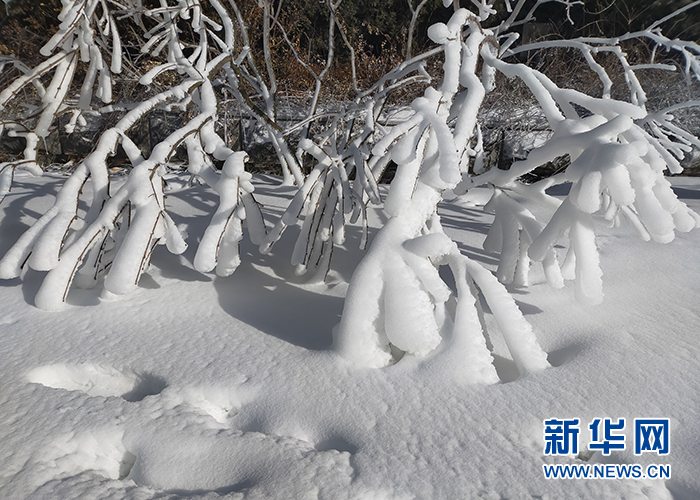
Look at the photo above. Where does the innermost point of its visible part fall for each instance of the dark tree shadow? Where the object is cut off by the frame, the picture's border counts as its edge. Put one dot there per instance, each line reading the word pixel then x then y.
pixel 17 212
pixel 226 490
pixel 278 304
pixel 686 194
pixel 564 354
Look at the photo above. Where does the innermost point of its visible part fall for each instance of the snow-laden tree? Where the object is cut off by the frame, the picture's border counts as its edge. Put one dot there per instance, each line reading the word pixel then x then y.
pixel 122 228
pixel 397 303
pixel 619 152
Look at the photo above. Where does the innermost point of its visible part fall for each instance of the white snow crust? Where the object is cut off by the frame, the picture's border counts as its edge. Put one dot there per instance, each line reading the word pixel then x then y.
pixel 205 387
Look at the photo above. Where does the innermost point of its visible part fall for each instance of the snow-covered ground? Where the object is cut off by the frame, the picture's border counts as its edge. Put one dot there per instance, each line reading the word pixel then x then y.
pixel 202 387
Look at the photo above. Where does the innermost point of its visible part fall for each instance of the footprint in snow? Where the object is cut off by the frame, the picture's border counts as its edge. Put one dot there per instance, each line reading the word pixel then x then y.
pixel 98 380
pixel 220 404
pixel 181 459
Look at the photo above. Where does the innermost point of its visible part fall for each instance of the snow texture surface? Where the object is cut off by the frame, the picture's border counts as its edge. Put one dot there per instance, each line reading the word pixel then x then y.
pixel 200 386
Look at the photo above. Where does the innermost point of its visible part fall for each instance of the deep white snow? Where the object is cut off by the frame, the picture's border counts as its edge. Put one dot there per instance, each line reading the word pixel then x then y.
pixel 198 386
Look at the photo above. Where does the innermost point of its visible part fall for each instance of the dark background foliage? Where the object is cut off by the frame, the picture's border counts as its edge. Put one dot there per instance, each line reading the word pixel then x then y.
pixel 377 30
